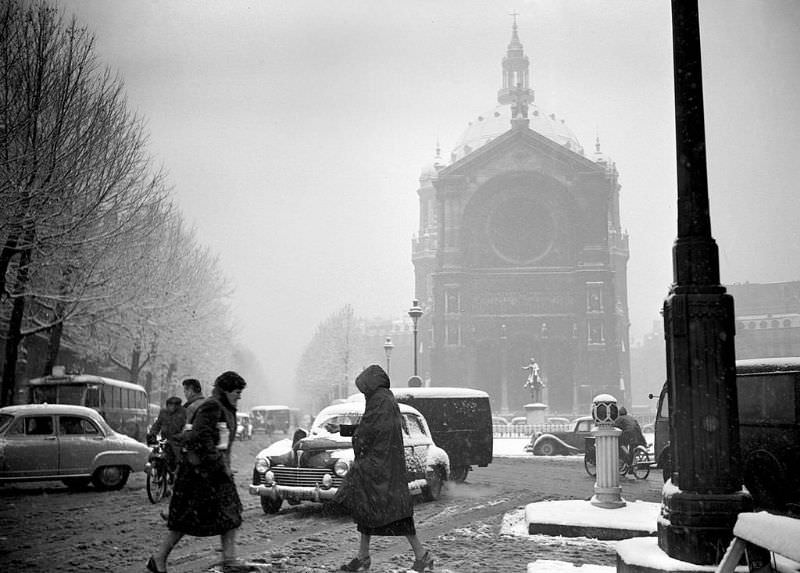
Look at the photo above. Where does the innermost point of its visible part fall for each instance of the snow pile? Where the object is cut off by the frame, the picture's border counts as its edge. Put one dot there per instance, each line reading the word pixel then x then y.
pixel 635 515
pixel 548 566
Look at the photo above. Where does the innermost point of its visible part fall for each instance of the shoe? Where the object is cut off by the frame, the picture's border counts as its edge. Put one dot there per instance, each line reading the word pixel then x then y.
pixel 426 563
pixel 151 566
pixel 357 564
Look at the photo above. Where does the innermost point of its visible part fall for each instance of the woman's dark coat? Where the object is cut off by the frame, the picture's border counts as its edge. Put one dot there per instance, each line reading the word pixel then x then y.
pixel 375 489
pixel 204 501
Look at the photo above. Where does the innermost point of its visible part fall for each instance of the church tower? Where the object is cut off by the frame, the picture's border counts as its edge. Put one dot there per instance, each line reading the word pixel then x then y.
pixel 520 254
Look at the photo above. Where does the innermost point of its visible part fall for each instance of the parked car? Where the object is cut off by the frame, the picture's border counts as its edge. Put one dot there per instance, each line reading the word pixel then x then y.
pixel 518 421
pixel 311 467
pixel 499 421
pixel 244 426
pixel 571 441
pixel 73 444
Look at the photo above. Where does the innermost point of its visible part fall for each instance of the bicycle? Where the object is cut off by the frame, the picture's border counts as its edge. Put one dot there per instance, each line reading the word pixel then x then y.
pixel 158 475
pixel 637 462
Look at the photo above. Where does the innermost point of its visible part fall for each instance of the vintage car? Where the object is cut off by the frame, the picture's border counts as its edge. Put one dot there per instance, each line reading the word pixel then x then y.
pixel 567 442
pixel 312 468
pixel 72 444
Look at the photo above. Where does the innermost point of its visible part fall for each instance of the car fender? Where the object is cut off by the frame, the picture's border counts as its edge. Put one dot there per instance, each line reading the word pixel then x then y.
pixel 437 458
pixel 560 444
pixel 133 460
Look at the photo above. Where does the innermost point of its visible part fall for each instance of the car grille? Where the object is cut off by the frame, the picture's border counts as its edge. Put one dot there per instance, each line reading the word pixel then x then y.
pixel 303 477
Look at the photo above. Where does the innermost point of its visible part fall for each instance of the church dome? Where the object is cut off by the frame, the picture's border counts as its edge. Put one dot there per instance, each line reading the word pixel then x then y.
pixel 488 126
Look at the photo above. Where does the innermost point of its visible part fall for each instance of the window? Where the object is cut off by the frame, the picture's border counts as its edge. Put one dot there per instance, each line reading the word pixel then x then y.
pixel 766 399
pixel 596 334
pixel 76 426
pixel 452 301
pixel 38 425
pixel 453 334
pixel 594 297
pixel 92 399
pixel 116 397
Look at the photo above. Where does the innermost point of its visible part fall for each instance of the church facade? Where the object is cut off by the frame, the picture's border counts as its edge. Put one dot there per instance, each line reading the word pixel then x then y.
pixel 521 259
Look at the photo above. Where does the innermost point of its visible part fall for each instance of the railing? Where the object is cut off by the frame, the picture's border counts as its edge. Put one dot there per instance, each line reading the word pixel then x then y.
pixel 526 430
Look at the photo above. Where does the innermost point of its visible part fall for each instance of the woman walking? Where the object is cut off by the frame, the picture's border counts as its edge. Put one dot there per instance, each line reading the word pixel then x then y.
pixel 375 489
pixel 204 501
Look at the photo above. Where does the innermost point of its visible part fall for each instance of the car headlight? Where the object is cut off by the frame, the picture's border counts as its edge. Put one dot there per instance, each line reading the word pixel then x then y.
pixel 341 467
pixel 262 464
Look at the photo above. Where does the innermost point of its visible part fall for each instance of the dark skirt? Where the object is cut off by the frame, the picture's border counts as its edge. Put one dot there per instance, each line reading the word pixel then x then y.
pixel 404 526
pixel 204 502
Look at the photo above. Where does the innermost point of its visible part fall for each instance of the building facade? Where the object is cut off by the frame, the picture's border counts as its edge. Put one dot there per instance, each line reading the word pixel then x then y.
pixel 521 255
pixel 767 319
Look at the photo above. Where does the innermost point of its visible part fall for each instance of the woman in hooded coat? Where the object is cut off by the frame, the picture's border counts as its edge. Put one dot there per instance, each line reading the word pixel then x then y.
pixel 375 489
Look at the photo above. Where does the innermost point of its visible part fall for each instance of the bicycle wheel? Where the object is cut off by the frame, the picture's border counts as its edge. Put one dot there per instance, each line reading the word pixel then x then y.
pixel 156 483
pixel 641 463
pixel 589 464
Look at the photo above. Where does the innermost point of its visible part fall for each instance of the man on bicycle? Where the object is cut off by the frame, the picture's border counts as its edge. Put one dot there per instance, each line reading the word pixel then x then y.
pixel 632 435
pixel 170 422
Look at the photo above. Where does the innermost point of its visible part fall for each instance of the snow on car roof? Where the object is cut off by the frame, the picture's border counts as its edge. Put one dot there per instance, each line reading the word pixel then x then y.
pixel 357 407
pixel 430 392
pixel 49 409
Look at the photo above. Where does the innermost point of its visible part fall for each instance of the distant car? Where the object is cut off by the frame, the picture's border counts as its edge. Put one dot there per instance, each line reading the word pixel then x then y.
pixel 499 421
pixel 72 444
pixel 518 421
pixel 556 420
pixel 313 467
pixel 567 442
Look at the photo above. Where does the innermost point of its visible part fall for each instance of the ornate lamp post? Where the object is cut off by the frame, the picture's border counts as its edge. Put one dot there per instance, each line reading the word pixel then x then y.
pixel 698 514
pixel 388 346
pixel 415 312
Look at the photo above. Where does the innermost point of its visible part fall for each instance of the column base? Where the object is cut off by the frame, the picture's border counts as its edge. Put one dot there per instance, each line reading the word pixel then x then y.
pixel 697 528
pixel 608 497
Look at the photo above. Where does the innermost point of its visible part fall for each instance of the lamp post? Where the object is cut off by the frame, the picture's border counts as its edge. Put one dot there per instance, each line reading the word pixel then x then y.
pixel 415 312
pixel 388 346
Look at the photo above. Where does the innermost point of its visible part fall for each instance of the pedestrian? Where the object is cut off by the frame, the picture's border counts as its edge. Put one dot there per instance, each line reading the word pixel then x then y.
pixel 375 489
pixel 169 424
pixel 193 392
pixel 204 501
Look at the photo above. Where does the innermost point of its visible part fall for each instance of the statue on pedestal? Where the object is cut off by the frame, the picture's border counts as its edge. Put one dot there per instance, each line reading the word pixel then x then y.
pixel 534 383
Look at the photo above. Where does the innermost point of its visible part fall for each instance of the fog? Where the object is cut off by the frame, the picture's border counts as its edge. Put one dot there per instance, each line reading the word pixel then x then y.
pixel 294 133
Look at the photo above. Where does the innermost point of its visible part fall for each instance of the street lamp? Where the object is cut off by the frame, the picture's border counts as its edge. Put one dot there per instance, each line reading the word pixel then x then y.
pixel 415 312
pixel 388 346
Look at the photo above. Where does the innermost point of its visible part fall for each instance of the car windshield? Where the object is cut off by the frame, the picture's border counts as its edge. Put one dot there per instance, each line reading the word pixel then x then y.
pixel 330 423
pixel 5 420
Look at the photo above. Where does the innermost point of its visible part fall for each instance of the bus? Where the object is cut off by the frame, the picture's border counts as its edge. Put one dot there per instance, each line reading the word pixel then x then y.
pixel 274 418
pixel 768 397
pixel 122 404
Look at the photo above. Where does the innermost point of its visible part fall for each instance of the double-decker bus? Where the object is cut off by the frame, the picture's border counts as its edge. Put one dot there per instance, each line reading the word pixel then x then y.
pixel 122 404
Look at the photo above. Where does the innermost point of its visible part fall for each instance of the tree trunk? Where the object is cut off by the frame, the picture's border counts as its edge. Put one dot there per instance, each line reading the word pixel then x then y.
pixel 14 333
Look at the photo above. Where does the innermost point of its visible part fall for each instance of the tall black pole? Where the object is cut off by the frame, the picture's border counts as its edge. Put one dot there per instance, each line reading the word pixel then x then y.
pixel 698 514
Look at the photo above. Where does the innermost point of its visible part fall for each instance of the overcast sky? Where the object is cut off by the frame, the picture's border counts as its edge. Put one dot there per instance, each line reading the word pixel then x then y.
pixel 294 133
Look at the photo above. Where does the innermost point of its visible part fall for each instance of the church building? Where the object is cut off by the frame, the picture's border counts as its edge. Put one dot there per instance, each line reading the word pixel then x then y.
pixel 521 258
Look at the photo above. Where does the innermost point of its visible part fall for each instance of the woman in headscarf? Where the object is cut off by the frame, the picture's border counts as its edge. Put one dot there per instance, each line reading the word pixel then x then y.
pixel 375 489
pixel 204 500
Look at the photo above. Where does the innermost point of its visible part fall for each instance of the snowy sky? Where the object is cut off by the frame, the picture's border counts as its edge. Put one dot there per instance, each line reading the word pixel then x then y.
pixel 294 133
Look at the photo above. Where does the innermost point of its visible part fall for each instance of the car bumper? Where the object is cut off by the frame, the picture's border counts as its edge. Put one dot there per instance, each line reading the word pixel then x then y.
pixel 314 493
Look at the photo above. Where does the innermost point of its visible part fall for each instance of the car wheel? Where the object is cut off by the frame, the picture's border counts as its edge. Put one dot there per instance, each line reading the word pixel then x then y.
pixel 590 466
pixel 433 490
pixel 270 505
pixel 76 483
pixel 547 449
pixel 459 473
pixel 110 477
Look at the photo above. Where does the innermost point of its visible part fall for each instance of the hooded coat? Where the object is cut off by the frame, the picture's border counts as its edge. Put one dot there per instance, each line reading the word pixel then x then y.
pixel 375 489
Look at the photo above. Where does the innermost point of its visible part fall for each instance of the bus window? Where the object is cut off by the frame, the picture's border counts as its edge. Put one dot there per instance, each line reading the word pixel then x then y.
pixel 116 397
pixel 92 399
pixel 71 394
pixel 108 399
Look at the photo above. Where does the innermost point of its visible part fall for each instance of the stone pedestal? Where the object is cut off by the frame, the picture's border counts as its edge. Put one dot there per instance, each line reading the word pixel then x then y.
pixel 607 491
pixel 535 413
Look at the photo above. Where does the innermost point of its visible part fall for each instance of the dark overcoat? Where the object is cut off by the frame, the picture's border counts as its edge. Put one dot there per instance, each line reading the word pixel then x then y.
pixel 375 489
pixel 205 501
